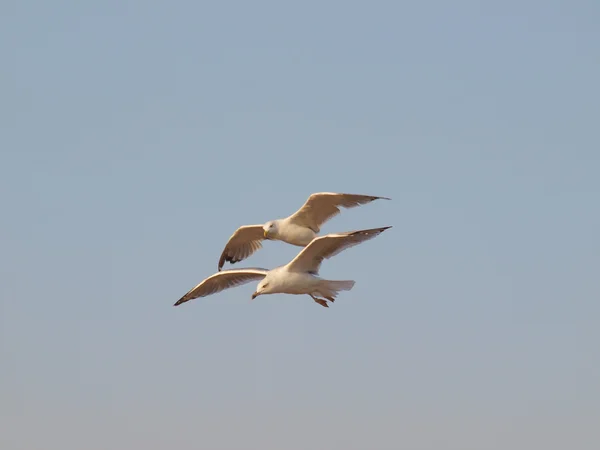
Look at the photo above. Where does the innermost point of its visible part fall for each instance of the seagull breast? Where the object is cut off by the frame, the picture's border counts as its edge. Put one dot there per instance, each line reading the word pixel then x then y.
pixel 295 234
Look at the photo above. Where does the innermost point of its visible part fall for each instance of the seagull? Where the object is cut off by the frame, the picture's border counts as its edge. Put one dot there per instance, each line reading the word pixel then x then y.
pixel 298 229
pixel 298 277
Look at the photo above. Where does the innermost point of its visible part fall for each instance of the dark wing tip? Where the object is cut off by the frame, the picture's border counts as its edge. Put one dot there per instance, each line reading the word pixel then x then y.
pixel 372 230
pixel 180 301
pixel 226 257
pixel 378 230
pixel 222 259
pixel 371 198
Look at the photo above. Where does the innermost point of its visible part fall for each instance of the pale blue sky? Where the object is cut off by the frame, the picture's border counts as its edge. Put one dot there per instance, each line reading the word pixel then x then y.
pixel 137 135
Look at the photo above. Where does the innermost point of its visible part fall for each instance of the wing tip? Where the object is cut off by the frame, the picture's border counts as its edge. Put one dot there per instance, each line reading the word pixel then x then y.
pixel 377 197
pixel 373 197
pixel 372 230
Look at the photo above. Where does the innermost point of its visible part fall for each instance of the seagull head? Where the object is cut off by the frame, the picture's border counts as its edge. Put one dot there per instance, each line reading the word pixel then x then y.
pixel 269 229
pixel 262 288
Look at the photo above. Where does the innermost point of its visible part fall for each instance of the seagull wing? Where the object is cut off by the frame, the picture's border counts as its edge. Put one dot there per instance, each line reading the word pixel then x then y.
pixel 310 257
pixel 322 206
pixel 223 280
pixel 245 241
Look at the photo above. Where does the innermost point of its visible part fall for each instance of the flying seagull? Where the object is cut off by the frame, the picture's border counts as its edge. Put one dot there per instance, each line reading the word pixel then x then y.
pixel 298 277
pixel 298 229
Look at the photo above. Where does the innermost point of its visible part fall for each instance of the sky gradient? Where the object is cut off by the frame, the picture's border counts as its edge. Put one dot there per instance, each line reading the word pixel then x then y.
pixel 135 137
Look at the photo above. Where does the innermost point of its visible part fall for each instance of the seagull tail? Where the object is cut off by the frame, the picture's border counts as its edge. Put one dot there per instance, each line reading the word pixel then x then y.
pixel 330 288
pixel 344 285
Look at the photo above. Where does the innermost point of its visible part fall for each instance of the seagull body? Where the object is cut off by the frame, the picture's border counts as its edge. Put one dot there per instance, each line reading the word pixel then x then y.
pixel 298 277
pixel 298 229
pixel 287 231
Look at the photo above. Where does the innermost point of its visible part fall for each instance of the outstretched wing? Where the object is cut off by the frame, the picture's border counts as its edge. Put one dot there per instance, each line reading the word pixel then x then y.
pixel 310 257
pixel 322 206
pixel 245 241
pixel 223 280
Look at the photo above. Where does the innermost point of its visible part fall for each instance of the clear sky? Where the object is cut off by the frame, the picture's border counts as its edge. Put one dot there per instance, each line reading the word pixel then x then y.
pixel 136 136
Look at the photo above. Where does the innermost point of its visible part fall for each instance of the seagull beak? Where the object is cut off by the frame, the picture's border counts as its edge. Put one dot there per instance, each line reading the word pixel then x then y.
pixel 256 294
pixel 265 234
